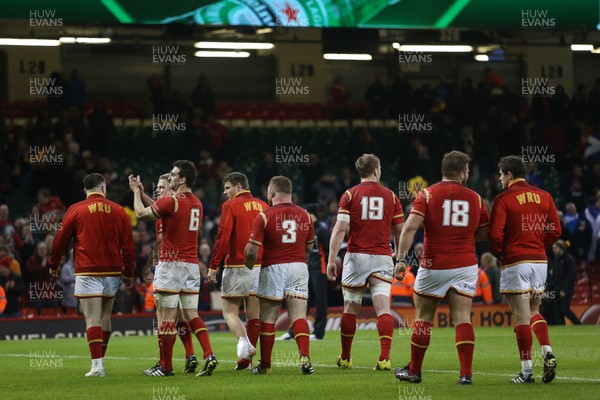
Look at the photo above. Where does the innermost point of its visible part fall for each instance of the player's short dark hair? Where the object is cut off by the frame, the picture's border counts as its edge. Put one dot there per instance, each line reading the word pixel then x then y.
pixel 366 165
pixel 513 164
pixel 281 184
pixel 454 162
pixel 44 192
pixel 92 181
pixel 164 176
pixel 237 178
pixel 187 170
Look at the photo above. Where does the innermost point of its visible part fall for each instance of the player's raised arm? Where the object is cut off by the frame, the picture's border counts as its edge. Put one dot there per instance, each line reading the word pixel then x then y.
pixel 141 211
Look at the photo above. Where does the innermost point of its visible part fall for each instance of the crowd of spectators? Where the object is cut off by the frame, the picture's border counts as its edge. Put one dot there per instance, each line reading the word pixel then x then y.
pixel 484 120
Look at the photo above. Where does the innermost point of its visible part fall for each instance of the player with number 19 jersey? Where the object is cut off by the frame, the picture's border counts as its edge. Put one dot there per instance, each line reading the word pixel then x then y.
pixel 180 214
pixel 373 209
pixel 452 214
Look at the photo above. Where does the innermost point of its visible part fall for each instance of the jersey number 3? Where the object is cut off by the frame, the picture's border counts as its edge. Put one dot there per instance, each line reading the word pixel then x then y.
pixel 289 226
pixel 372 208
pixel 456 213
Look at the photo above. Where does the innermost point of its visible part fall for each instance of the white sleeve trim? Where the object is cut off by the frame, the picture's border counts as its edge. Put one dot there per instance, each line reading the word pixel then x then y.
pixel 343 217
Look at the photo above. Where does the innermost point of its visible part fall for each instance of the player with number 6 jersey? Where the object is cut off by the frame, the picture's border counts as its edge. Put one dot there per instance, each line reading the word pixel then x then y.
pixel 372 212
pixel 177 275
pixel 453 216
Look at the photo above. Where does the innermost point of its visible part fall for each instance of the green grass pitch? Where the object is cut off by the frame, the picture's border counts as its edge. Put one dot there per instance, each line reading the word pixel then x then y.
pixel 54 369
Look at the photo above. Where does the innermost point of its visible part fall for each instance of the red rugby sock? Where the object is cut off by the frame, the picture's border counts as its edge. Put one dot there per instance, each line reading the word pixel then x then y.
pixel 185 334
pixel 539 326
pixel 524 341
pixel 95 341
pixel 465 344
pixel 267 340
pixel 385 327
pixel 347 328
pixel 302 336
pixel 419 342
pixel 199 328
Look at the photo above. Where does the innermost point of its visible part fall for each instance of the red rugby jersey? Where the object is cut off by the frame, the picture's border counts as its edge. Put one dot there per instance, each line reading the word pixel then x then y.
pixel 452 214
pixel 181 216
pixel 237 216
pixel 103 240
pixel 524 223
pixel 373 210
pixel 283 231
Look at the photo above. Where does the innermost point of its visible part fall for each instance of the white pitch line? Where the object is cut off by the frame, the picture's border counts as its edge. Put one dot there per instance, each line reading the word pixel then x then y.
pixel 566 378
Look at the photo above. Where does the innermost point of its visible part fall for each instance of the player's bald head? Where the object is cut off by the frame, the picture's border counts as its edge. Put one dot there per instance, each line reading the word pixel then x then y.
pixel 453 163
pixel 366 165
pixel 281 184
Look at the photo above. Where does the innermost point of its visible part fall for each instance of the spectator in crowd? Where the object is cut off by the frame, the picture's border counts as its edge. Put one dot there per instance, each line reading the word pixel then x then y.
pixel 563 282
pixel 571 217
pixel 8 260
pixel 12 283
pixel 203 97
pixel 339 98
pixel 158 96
pixel 56 94
pixel 483 289
pixel 401 96
pixel 42 288
pixel 102 128
pixel 7 230
pixel 75 90
pixel 403 292
pixel 572 187
pixel 48 204
pixel 377 98
pixel 489 264
pixel 592 217
pixel 66 281
pixel 580 104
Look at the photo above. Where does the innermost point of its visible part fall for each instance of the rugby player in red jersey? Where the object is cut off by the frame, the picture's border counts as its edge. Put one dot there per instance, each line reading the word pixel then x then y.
pixel 183 328
pixel 103 258
pixel 524 223
pixel 177 275
pixel 286 233
pixel 239 283
pixel 372 212
pixel 453 216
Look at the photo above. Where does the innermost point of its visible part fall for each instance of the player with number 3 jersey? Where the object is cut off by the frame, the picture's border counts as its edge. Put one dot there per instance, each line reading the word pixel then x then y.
pixel 453 215
pixel 286 234
pixel 372 212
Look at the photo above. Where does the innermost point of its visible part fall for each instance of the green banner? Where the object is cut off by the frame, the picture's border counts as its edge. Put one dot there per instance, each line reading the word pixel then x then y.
pixel 477 14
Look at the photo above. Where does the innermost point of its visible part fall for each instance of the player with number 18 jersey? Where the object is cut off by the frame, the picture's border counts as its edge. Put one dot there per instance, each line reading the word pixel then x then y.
pixel 452 214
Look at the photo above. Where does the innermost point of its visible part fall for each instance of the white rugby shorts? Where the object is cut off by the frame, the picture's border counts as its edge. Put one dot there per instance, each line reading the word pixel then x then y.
pixel 523 278
pixel 177 277
pixel 239 282
pixel 437 282
pixel 96 286
pixel 358 267
pixel 283 281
